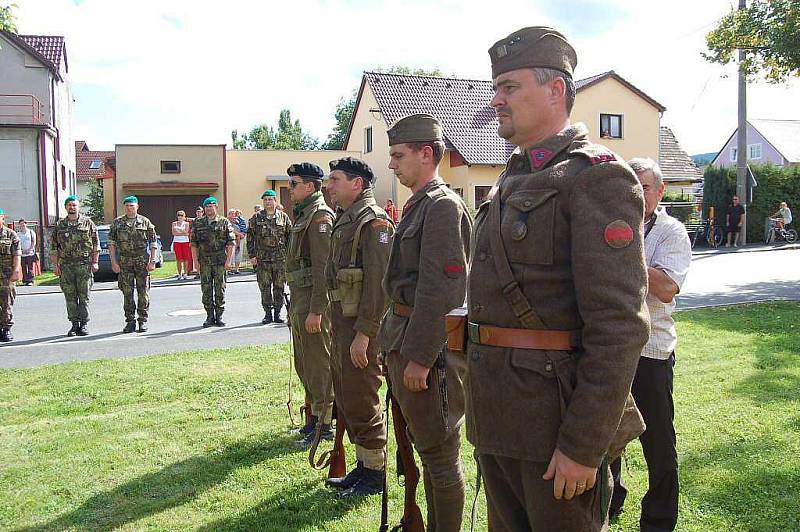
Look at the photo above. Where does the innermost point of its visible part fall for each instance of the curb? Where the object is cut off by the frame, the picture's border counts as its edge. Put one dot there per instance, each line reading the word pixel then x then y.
pixel 752 248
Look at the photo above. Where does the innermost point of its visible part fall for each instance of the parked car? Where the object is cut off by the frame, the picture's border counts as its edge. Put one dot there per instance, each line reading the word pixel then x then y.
pixel 104 263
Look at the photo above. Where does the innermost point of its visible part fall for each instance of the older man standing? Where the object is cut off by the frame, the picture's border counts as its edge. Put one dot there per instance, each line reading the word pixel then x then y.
pixel 556 300
pixel 212 243
pixel 10 273
pixel 668 254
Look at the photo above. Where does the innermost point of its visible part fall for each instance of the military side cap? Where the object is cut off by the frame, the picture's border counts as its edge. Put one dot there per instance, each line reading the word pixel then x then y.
pixel 415 128
pixel 306 171
pixel 535 47
pixel 130 199
pixel 269 194
pixel 354 167
pixel 209 200
pixel 69 198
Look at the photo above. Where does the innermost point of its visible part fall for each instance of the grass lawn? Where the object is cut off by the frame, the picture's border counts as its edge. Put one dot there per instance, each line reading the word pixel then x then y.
pixel 169 268
pixel 198 440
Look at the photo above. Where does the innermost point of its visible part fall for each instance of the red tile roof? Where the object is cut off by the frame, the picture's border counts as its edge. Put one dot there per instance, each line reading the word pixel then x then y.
pixel 51 47
pixel 80 145
pixel 83 161
pixel 676 165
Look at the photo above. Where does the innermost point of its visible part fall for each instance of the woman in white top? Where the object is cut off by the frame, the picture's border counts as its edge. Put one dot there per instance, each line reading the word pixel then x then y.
pixel 180 244
pixel 27 245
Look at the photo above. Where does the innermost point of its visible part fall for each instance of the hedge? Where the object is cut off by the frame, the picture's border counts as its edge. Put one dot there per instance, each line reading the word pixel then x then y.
pixel 775 184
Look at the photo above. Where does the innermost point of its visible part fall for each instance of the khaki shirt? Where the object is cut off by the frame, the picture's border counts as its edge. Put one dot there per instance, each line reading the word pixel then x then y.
pixel 268 235
pixel 132 236
pixel 309 245
pixel 9 248
pixel 427 271
pixel 211 237
pixel 372 256
pixel 75 242
pixel 571 225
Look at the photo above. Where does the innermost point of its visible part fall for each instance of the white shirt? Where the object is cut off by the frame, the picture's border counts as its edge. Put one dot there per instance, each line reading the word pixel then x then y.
pixel 181 226
pixel 27 242
pixel 666 248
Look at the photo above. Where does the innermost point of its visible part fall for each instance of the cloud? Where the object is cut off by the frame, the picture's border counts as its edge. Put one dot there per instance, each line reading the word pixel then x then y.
pixel 191 71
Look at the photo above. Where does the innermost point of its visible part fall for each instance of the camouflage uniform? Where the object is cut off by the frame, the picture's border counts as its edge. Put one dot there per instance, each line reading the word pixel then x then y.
pixel 9 248
pixel 75 244
pixel 132 237
pixel 212 237
pixel 267 241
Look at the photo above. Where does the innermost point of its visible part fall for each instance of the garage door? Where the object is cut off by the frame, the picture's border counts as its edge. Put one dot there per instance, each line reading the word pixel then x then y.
pixel 161 211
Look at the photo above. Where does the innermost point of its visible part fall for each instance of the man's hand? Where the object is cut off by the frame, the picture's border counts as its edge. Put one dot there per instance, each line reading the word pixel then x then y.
pixel 313 323
pixel 115 266
pixel 415 376
pixel 571 478
pixel 93 267
pixel 358 350
pixel 16 275
pixel 151 266
pixel 254 262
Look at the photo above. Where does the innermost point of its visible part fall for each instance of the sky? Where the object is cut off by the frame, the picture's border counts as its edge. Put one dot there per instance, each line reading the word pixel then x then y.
pixel 190 71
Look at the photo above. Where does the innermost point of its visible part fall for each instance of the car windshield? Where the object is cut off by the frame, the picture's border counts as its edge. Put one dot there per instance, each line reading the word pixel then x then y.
pixel 103 235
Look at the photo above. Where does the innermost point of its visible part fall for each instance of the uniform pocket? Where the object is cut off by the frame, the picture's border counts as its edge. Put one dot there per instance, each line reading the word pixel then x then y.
pixel 527 226
pixel 409 246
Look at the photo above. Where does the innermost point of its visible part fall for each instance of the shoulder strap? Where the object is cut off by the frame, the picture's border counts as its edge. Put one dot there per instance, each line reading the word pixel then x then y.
pixel 511 290
pixel 364 220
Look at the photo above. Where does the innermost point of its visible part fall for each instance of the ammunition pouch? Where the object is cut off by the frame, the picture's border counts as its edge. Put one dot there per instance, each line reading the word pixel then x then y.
pixel 302 278
pixel 455 323
pixel 350 282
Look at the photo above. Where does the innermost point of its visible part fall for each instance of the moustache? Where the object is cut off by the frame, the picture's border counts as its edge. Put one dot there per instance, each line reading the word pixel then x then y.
pixel 503 110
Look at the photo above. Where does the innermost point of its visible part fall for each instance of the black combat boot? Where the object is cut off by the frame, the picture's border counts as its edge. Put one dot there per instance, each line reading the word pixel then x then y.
pixel 74 329
pixel 267 317
pixel 142 326
pixel 218 321
pixel 277 317
pixel 308 439
pixel 81 330
pixel 348 480
pixel 210 319
pixel 130 326
pixel 311 422
pixel 5 335
pixel 369 483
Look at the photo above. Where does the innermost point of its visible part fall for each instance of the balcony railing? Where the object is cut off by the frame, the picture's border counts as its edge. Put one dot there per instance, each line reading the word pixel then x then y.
pixel 21 109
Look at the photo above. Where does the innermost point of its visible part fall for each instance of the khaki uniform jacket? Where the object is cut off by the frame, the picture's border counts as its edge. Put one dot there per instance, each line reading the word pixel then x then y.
pixel 427 271
pixel 211 237
pixel 309 245
pixel 132 237
pixel 75 242
pixel 268 236
pixel 372 256
pixel 572 228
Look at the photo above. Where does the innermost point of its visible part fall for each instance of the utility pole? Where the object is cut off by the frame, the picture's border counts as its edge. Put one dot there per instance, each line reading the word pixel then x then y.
pixel 741 141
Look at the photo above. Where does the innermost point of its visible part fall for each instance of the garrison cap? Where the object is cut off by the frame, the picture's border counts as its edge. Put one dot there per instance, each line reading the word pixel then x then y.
pixel 269 194
pixel 534 47
pixel 415 128
pixel 355 167
pixel 209 200
pixel 71 197
pixel 130 199
pixel 306 171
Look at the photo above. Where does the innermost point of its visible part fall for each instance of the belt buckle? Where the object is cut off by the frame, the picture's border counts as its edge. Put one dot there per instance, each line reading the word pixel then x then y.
pixel 474 332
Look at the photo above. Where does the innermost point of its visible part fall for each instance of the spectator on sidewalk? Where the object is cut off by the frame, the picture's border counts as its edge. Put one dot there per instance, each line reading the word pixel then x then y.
pixel 668 254
pixel 233 218
pixel 734 220
pixel 27 245
pixel 194 268
pixel 783 217
pixel 180 244
pixel 391 210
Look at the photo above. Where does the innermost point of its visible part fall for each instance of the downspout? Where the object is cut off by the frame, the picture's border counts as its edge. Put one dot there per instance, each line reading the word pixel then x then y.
pixel 39 187
pixel 225 177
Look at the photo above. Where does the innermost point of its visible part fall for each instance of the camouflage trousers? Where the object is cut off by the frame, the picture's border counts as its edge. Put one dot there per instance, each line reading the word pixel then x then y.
pixel 135 277
pixel 8 293
pixel 212 282
pixel 76 284
pixel 271 278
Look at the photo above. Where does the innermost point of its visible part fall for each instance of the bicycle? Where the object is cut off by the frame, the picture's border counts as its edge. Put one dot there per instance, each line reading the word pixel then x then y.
pixel 711 232
pixel 774 232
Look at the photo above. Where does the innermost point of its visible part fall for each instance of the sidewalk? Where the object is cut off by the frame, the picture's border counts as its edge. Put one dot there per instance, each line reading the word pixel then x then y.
pixel 749 248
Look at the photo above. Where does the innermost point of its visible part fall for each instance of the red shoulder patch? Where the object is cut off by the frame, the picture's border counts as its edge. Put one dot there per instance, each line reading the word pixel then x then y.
pixel 602 158
pixel 618 234
pixel 539 157
pixel 379 223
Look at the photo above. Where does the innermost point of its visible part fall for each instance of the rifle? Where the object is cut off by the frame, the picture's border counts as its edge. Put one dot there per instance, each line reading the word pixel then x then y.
pixel 307 406
pixel 406 467
pixel 334 459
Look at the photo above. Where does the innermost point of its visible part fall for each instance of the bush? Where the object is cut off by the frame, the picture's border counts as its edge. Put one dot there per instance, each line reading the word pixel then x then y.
pixel 775 184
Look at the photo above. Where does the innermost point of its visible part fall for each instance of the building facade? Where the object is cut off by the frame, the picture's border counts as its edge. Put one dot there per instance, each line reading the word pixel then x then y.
pixel 768 142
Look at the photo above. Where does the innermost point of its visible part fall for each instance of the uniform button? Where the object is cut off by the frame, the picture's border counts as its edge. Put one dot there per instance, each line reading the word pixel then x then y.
pixel 475 355
pixel 548 366
pixel 528 203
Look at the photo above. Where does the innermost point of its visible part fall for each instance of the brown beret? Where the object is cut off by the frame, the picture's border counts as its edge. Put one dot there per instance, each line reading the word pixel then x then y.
pixel 415 128
pixel 538 46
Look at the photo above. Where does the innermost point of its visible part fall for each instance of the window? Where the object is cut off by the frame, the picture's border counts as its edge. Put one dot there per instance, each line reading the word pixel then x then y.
pixel 733 154
pixel 610 126
pixel 481 192
pixel 170 167
pixel 95 164
pixel 63 177
pixel 367 139
pixel 459 191
pixel 754 151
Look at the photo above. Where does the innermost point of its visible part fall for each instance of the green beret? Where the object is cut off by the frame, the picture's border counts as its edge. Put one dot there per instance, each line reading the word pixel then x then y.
pixel 415 128
pixel 71 197
pixel 209 200
pixel 2 212
pixel 130 199
pixel 538 46
pixel 269 194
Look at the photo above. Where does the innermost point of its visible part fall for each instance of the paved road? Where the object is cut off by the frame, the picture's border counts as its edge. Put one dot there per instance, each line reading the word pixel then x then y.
pixel 177 314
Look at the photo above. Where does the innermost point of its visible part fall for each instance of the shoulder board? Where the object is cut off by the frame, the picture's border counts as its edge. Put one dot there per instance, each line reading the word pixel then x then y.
pixel 322 216
pixel 380 223
pixel 595 153
pixel 436 193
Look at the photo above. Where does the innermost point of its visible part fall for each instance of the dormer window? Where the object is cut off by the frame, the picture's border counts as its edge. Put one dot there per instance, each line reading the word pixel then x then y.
pixel 94 165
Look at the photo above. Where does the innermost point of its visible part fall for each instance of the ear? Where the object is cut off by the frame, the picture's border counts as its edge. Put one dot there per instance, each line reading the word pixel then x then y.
pixel 558 89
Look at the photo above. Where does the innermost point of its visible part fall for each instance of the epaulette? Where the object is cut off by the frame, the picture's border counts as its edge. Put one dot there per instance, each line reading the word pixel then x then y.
pixel 595 153
pixel 436 192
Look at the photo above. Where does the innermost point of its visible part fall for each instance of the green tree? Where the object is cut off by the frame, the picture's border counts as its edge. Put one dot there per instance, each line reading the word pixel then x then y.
pixel 94 201
pixel 7 18
pixel 287 136
pixel 768 30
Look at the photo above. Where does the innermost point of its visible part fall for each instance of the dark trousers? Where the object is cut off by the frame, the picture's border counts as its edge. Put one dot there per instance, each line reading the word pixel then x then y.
pixel 652 389
pixel 28 267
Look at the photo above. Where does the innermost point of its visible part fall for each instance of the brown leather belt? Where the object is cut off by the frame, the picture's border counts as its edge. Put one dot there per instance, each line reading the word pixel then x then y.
pixel 524 338
pixel 404 311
